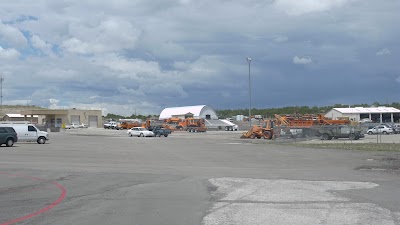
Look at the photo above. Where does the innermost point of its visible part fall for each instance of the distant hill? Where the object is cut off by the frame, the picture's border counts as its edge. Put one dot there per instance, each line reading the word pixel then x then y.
pixel 16 109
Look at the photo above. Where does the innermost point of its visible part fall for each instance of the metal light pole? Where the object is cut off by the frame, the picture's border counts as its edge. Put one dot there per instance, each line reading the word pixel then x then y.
pixel 1 90
pixel 249 61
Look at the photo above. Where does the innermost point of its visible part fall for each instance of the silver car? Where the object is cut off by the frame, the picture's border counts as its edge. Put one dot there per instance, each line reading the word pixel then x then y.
pixel 140 132
pixel 380 129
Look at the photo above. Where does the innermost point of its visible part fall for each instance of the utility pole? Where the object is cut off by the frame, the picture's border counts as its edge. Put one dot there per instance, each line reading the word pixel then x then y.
pixel 1 91
pixel 249 61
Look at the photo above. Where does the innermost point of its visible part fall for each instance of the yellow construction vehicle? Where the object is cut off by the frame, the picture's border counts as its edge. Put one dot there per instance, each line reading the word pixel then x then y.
pixel 266 131
pixel 192 125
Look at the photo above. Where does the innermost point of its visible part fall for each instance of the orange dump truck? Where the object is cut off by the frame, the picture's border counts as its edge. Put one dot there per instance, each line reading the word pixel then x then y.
pixel 192 125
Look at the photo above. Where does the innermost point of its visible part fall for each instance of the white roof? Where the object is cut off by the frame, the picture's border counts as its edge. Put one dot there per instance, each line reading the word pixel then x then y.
pixel 357 110
pixel 18 115
pixel 196 110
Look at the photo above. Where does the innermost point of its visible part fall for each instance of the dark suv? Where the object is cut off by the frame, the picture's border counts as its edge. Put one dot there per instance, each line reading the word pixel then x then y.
pixel 8 136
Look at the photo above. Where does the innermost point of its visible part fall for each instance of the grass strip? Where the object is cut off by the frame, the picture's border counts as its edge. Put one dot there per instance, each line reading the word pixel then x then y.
pixel 392 147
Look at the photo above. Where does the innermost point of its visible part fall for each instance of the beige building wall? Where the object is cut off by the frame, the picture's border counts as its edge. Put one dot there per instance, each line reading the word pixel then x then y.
pixel 57 117
pixel 84 116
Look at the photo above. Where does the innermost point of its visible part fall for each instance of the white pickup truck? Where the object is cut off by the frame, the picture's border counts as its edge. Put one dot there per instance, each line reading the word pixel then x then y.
pixel 110 125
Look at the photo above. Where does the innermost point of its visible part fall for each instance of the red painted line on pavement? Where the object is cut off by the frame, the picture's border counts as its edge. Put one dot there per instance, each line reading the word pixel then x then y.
pixel 42 210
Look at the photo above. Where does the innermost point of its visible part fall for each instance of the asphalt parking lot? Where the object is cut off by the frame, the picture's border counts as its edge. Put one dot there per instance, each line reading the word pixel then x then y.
pixel 98 176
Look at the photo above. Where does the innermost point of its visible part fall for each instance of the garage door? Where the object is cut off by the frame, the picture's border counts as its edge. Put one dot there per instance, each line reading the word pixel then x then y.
pixel 75 119
pixel 92 121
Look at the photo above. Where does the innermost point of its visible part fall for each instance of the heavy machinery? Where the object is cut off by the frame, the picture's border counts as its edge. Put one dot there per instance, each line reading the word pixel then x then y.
pixel 127 125
pixel 291 126
pixel 150 124
pixel 172 123
pixel 303 125
pixel 306 121
pixel 325 121
pixel 192 125
pixel 266 131
pixel 146 124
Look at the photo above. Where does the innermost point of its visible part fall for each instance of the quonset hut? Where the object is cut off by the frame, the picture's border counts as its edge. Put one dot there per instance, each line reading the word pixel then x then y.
pixel 196 111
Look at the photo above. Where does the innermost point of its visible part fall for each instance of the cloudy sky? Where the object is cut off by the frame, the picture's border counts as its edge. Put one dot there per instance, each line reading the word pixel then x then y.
pixel 127 55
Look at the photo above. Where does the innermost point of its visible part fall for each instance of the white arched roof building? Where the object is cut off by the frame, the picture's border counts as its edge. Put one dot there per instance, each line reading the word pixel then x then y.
pixel 198 111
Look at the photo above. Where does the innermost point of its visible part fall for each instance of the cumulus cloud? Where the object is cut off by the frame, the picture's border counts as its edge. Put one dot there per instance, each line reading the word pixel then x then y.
pixel 297 8
pixel 384 51
pixel 147 55
pixel 9 53
pixel 55 104
pixel 38 43
pixel 75 45
pixel 281 39
pixel 54 101
pixel 302 60
pixel 12 35
pixel 172 90
pixel 181 65
pixel 129 67
pixel 112 34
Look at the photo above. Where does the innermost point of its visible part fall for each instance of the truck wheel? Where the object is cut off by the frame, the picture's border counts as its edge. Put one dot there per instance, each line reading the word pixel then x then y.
pixel 325 137
pixel 352 137
pixel 370 133
pixel 165 135
pixel 141 135
pixel 9 142
pixel 267 135
pixel 41 140
pixel 130 135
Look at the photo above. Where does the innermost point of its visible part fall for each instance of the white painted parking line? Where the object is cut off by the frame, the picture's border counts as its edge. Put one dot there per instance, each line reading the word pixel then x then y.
pixel 233 143
pixel 260 201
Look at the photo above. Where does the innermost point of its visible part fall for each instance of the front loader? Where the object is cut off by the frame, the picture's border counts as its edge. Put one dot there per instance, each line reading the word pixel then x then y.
pixel 266 132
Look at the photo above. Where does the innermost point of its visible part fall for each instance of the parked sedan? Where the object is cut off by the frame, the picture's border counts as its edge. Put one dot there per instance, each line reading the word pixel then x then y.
pixel 82 125
pixel 140 132
pixel 380 129
pixel 71 126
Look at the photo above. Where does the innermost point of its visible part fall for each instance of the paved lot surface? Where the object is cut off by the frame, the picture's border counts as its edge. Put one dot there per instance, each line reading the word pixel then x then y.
pixel 97 176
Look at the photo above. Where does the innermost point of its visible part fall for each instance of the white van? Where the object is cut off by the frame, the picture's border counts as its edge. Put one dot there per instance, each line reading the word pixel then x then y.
pixel 28 132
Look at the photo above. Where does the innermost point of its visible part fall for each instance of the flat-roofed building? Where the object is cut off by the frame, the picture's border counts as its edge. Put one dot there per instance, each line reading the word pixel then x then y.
pixel 20 117
pixel 379 114
pixel 54 118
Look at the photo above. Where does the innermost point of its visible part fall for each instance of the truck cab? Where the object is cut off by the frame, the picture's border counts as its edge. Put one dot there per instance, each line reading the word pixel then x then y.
pixel 161 131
